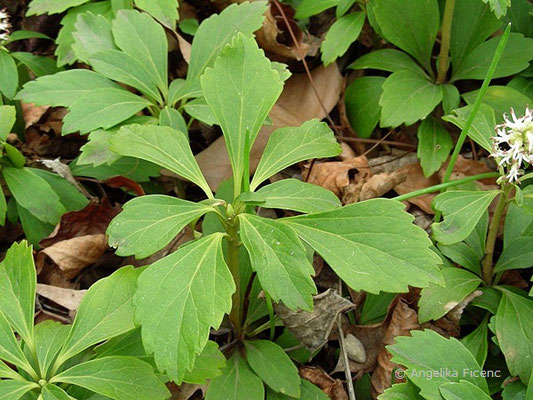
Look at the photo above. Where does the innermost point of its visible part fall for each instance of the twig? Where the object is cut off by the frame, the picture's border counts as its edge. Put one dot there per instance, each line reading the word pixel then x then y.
pixel 347 372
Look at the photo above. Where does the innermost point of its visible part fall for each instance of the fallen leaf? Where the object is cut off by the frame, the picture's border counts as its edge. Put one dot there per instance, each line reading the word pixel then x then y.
pixel 416 180
pixel 335 176
pixel 313 328
pixel 297 104
pixel 318 377
pixel 32 113
pixel 68 298
pixel 118 182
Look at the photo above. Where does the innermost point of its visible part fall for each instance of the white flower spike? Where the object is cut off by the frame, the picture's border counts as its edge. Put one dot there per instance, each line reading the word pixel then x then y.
pixel 5 26
pixel 513 145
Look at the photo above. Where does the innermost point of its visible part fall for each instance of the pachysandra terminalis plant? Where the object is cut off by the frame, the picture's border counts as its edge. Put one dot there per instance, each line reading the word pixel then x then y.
pixel 372 246
pixel 467 238
pixel 59 362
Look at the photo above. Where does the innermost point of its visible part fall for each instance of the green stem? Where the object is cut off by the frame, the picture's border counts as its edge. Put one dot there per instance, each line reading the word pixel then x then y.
pixel 233 264
pixel 446 185
pixel 444 56
pixel 493 234
pixel 477 104
pixel 270 309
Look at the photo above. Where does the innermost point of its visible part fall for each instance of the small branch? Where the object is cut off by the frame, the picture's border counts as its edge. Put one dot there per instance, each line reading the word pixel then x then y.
pixel 233 264
pixel 492 235
pixel 444 56
pixel 349 382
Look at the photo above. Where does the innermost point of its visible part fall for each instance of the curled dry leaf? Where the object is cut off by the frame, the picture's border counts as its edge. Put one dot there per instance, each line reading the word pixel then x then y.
pixel 416 180
pixel 275 38
pixel 331 387
pixel 335 175
pixel 313 328
pixel 118 182
pixel 297 104
pixel 185 391
pixel 32 113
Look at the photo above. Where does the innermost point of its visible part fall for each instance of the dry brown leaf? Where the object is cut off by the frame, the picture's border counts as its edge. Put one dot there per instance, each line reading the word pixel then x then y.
pixel 185 48
pixel 74 255
pixel 32 113
pixel 275 38
pixel 313 328
pixel 296 105
pixel 68 298
pixel 403 320
pixel 378 185
pixel 185 391
pixel 334 175
pixel 415 181
pixel 318 377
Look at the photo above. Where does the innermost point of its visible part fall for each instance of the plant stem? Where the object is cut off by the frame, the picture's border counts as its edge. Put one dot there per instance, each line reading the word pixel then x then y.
pixel 492 234
pixel 446 185
pixel 444 55
pixel 475 108
pixel 233 264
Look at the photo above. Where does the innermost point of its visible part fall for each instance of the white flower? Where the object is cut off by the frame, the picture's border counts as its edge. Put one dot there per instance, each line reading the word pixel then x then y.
pixel 5 26
pixel 512 147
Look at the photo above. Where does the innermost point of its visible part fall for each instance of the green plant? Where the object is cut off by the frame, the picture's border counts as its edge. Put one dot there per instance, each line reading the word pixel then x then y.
pixel 58 362
pixel 414 88
pixel 38 198
pixel 182 296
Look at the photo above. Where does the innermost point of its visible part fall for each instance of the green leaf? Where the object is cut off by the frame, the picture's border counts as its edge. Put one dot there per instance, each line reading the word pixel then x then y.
pixel 518 255
pixel 128 344
pixel 462 209
pixel 39 7
pixel 102 108
pixel 463 390
pixel 65 39
pixel 343 7
pixel 9 76
pixel 149 223
pixel 17 289
pixel 219 30
pixel 472 24
pixel 112 294
pixel 514 390
pixel 207 365
pixel 341 35
pixel 3 208
pixel 34 228
pixel 172 118
pixel 401 391
pixel 512 323
pixel 69 195
pixel 450 98
pixel 476 342
pixel 435 300
pixel 515 58
pixel 287 146
pixel 237 382
pixel 179 298
pixel 273 366
pixel 39 65
pixel 522 17
pixel 163 146
pixel 362 103
pixel 14 155
pixel 10 350
pixel 293 194
pixel 119 378
pixel 241 89
pixel 411 26
pixel 407 97
pixel 135 169
pixel 391 60
pixel 8 116
pixel 200 110
pixel 53 392
pixel 523 85
pixel 391 252
pixel 92 34
pixel 518 221
pixel 482 128
pixel 498 7
pixel 434 145
pixel 64 88
pixel 279 258
pixel 165 11
pixel 49 338
pixel 501 99
pixel 426 352
pixel 24 184
pixel 22 35
pixel 138 35
pixel 122 67
pixel 14 390
pixel 308 8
